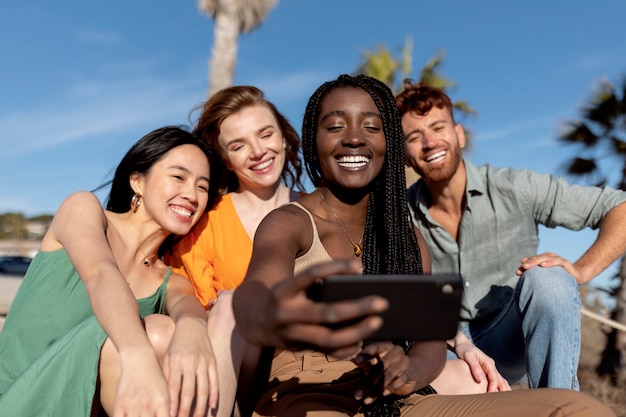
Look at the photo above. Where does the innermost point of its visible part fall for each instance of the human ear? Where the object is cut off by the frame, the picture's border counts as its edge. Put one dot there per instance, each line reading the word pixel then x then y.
pixel 460 134
pixel 136 181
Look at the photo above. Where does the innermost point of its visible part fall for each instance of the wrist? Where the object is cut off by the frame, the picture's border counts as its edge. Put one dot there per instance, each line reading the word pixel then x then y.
pixel 192 321
pixel 134 353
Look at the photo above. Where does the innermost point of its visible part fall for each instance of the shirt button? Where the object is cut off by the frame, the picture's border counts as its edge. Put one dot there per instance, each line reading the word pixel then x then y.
pixel 467 284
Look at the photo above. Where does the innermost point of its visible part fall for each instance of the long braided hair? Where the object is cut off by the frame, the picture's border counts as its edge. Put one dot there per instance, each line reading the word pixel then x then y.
pixel 389 241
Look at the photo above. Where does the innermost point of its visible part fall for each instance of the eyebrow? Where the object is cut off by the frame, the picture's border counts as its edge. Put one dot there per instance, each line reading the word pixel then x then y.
pixel 258 132
pixel 438 121
pixel 332 114
pixel 342 112
pixel 419 130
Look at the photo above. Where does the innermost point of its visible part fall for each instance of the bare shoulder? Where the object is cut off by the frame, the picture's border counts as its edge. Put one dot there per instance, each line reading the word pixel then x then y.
pixel 288 215
pixel 78 208
pixel 80 201
pixel 79 211
pixel 289 227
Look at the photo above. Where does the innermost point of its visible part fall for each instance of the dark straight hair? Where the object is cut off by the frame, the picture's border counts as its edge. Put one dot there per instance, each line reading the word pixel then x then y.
pixel 143 155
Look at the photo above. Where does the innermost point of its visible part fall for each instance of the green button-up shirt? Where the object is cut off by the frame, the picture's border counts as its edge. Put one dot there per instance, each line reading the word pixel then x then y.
pixel 499 226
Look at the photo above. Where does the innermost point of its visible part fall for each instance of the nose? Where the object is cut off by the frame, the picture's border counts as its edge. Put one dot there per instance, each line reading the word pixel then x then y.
pixel 257 149
pixel 428 140
pixel 190 192
pixel 353 137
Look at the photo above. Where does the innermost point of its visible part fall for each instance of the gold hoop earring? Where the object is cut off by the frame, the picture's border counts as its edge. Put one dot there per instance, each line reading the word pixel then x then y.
pixel 135 202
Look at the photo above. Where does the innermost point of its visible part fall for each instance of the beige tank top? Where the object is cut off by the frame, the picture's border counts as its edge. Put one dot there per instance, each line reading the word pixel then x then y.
pixel 317 252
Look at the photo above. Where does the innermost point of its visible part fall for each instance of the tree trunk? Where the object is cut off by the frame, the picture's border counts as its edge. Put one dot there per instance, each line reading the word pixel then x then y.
pixel 614 353
pixel 224 53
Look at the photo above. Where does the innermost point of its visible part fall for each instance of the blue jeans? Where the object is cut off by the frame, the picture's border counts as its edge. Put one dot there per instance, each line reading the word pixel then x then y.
pixel 538 333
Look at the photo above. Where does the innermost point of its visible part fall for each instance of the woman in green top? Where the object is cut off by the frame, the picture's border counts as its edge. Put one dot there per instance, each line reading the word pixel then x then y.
pixel 87 328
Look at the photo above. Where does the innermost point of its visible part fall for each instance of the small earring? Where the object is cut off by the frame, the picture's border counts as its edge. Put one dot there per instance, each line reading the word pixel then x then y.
pixel 135 202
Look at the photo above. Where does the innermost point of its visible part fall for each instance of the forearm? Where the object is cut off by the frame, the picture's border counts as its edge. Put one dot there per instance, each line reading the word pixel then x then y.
pixel 428 358
pixel 608 246
pixel 116 310
pixel 248 309
pixel 189 316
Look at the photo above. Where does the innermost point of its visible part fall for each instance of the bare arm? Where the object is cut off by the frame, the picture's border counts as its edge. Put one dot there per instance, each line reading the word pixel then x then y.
pixel 189 365
pixel 608 247
pixel 79 227
pixel 271 307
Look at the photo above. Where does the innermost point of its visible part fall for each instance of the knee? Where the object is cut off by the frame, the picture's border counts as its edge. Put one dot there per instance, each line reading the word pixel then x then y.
pixel 160 329
pixel 456 379
pixel 553 288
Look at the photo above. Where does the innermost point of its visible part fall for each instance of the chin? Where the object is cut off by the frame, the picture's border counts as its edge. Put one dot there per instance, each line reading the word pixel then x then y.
pixel 182 229
pixel 268 182
pixel 438 177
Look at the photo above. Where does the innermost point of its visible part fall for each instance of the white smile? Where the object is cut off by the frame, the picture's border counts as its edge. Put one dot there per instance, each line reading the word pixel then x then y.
pixel 182 212
pixel 436 156
pixel 356 161
pixel 263 165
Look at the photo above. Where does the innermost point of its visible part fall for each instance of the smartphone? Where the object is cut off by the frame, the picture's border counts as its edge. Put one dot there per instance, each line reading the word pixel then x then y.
pixel 421 307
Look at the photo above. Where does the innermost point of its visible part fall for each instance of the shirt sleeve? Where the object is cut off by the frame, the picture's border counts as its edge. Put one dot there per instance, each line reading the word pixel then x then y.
pixel 191 258
pixel 555 202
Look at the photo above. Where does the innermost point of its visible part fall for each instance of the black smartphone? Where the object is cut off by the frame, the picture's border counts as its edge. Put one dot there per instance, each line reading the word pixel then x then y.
pixel 421 307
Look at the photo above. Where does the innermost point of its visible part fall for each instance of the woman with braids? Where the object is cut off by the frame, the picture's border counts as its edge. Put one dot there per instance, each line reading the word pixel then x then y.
pixel 356 220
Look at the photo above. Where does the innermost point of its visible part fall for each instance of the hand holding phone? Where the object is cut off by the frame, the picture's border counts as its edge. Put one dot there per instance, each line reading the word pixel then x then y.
pixel 421 307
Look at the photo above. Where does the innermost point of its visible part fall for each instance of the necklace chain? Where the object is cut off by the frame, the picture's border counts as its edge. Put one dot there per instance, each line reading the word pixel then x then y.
pixel 358 249
pixel 146 259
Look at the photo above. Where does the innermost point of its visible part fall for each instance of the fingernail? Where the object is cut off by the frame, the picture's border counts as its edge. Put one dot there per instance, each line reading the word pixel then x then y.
pixel 358 395
pixel 376 323
pixel 380 304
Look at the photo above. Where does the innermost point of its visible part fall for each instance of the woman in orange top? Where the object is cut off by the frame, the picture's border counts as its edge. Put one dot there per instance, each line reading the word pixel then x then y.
pixel 261 170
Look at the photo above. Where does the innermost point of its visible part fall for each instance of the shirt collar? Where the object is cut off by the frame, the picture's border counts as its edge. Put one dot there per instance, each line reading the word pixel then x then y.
pixel 476 185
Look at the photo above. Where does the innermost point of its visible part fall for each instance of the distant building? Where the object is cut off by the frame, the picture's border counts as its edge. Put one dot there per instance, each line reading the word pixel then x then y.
pixel 19 247
pixel 35 229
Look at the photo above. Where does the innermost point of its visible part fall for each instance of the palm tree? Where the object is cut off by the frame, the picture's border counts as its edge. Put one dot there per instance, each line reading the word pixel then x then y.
pixel 231 18
pixel 392 71
pixel 601 133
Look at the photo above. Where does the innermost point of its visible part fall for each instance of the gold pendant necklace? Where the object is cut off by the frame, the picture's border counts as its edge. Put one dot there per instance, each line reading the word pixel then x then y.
pixel 358 249
pixel 147 259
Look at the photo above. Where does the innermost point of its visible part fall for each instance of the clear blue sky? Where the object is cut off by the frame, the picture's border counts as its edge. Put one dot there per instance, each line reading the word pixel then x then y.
pixel 81 81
